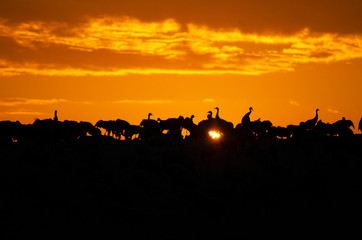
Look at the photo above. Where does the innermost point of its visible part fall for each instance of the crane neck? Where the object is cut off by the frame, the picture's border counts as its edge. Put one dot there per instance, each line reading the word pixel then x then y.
pixel 217 113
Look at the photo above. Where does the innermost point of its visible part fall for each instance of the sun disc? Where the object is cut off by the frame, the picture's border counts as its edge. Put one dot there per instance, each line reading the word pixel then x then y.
pixel 214 134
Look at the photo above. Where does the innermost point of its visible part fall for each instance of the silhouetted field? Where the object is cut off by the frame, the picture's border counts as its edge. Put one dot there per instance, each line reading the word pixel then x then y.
pixel 99 186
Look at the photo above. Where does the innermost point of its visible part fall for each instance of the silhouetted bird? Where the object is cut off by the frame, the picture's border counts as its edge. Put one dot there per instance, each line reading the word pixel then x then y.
pixel 209 115
pixel 107 125
pixel 68 130
pixel 119 127
pixel 222 124
pixel 204 126
pixel 148 120
pixel 87 127
pixel 189 125
pixel 191 118
pixel 55 116
pixel 342 127
pixel 150 128
pixel 132 130
pixel 149 116
pixel 310 124
pixel 217 113
pixel 246 119
pixel 43 130
pixel 171 124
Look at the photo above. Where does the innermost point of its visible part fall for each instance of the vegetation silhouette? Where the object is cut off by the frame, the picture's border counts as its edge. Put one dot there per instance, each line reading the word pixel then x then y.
pixel 148 181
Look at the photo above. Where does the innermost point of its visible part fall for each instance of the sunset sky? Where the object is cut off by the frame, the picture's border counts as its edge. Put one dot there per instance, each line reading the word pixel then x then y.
pixel 112 59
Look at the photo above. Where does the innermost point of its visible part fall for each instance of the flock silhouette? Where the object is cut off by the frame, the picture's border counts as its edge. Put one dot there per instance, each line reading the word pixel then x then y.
pixel 171 128
pixel 151 181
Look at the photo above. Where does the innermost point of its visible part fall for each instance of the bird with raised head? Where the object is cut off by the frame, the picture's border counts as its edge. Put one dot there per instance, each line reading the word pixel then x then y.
pixel 209 115
pixel 150 128
pixel 310 124
pixel 222 124
pixel 55 116
pixel 246 119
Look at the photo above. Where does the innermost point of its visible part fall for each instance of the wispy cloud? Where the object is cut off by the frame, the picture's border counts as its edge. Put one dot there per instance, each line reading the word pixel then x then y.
pixel 295 103
pixel 9 102
pixel 208 100
pixel 224 51
pixel 143 101
pixel 38 69
pixel 332 111
pixel 24 113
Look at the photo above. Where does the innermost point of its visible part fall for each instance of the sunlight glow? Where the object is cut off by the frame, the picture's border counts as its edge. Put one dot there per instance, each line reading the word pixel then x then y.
pixel 214 134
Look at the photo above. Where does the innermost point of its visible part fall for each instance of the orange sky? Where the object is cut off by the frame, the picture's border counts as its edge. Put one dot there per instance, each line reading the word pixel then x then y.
pixel 95 60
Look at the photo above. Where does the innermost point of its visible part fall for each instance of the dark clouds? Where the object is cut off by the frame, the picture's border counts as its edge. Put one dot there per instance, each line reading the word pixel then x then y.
pixel 334 16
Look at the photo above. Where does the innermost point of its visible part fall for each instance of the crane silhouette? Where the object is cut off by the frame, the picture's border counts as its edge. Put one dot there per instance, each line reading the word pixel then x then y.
pixel 310 124
pixel 209 115
pixel 222 124
pixel 217 113
pixel 55 116
pixel 246 119
pixel 150 128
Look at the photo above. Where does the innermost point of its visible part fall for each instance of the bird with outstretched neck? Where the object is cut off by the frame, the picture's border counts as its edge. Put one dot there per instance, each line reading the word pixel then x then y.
pixel 246 119
pixel 221 124
pixel 310 124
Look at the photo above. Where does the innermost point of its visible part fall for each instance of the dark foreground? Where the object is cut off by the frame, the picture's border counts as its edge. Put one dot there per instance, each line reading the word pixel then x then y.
pixel 103 187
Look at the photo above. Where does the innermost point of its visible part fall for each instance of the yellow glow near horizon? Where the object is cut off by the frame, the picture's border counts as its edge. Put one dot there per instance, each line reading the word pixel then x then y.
pixel 104 67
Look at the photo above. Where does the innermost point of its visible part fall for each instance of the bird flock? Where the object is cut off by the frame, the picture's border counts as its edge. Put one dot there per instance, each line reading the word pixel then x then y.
pixel 171 128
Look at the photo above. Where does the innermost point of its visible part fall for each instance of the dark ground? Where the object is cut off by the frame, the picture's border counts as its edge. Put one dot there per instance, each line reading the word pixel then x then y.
pixel 103 188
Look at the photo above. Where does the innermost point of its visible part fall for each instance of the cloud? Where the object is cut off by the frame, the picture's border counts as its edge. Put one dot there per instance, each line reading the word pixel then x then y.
pixel 251 16
pixel 37 70
pixel 142 101
pixel 295 103
pixel 9 102
pixel 24 113
pixel 208 100
pixel 332 111
pixel 119 46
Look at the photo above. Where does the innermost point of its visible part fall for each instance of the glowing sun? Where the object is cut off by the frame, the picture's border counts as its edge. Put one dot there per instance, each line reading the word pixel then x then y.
pixel 214 134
